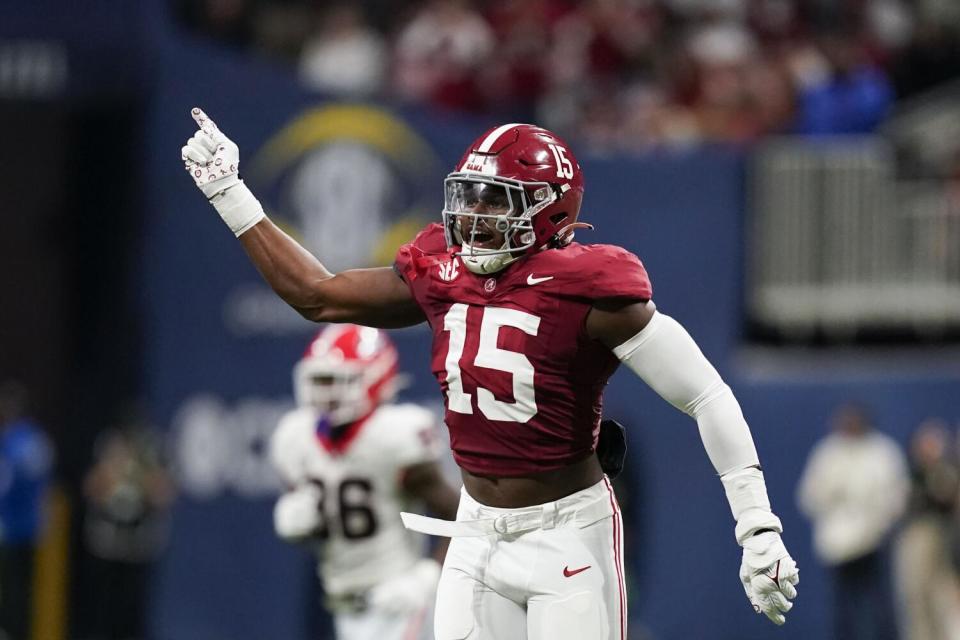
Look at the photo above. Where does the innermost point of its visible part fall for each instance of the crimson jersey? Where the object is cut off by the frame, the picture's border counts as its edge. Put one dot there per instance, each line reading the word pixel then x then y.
pixel 522 379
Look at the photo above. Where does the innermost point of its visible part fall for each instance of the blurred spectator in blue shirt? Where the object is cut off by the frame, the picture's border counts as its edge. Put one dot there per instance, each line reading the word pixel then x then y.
pixel 26 459
pixel 846 95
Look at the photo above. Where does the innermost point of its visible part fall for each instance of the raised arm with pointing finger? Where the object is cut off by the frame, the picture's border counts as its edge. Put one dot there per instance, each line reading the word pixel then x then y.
pixel 372 297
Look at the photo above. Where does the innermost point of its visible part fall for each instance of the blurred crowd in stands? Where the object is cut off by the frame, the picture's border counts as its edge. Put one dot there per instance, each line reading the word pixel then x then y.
pixel 613 74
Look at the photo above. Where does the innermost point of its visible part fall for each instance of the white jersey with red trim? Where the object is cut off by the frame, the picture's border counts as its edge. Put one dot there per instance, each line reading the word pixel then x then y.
pixel 361 540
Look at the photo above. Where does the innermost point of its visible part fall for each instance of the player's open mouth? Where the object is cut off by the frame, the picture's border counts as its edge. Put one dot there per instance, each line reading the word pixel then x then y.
pixel 482 240
pixel 481 237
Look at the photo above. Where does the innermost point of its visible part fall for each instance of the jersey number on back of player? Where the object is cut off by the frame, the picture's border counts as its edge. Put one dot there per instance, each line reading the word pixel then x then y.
pixel 356 517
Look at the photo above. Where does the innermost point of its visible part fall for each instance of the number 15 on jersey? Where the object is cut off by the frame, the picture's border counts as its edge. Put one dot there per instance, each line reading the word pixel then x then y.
pixel 490 356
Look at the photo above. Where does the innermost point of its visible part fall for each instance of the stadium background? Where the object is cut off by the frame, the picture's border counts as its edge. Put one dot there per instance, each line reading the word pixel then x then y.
pixel 119 283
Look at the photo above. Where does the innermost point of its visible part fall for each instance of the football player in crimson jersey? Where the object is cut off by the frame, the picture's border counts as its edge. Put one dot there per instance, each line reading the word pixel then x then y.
pixel 527 328
pixel 351 462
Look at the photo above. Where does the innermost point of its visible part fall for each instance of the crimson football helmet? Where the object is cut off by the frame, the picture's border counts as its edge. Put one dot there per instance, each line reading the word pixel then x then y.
pixel 346 372
pixel 519 180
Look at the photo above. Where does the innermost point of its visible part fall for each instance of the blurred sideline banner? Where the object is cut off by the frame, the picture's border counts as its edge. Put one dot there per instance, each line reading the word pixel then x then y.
pixel 353 182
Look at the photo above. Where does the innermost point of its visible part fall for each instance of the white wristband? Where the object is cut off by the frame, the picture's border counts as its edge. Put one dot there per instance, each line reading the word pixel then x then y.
pixel 238 207
pixel 747 494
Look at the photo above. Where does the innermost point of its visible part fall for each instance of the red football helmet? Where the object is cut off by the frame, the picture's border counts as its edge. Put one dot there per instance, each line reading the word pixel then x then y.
pixel 346 372
pixel 523 182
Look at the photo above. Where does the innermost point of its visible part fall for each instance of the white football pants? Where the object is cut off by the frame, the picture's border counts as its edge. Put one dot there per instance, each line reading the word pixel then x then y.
pixel 550 572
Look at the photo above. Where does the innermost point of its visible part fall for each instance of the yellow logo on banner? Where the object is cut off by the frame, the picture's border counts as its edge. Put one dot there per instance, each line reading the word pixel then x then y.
pixel 350 181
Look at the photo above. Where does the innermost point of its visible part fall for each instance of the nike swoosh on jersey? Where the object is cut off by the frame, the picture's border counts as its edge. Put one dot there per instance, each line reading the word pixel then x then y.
pixel 532 280
pixel 567 573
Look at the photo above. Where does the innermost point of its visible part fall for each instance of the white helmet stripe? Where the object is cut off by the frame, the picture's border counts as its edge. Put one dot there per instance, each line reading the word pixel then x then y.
pixel 491 139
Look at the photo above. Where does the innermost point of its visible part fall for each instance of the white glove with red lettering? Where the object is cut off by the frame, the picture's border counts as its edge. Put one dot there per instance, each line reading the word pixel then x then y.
pixel 408 591
pixel 769 575
pixel 213 161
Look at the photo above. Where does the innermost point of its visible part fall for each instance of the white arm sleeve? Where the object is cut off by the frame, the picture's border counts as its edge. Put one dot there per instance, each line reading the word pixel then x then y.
pixel 665 357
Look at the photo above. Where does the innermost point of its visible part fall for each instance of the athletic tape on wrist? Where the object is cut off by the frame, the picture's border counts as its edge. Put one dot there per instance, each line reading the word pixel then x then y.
pixel 747 494
pixel 754 520
pixel 238 207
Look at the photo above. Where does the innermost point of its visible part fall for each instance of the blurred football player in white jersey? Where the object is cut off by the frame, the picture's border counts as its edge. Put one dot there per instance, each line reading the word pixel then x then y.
pixel 352 461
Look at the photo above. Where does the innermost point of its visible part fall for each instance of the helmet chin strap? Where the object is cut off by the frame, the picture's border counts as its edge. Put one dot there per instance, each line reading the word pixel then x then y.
pixel 484 263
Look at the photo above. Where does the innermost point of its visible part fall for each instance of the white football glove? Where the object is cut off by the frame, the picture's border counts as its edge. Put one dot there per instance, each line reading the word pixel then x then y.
pixel 769 575
pixel 409 591
pixel 213 161
pixel 296 516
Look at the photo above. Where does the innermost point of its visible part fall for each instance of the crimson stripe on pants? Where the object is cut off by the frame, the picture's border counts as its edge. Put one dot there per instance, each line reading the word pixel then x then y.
pixel 617 524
